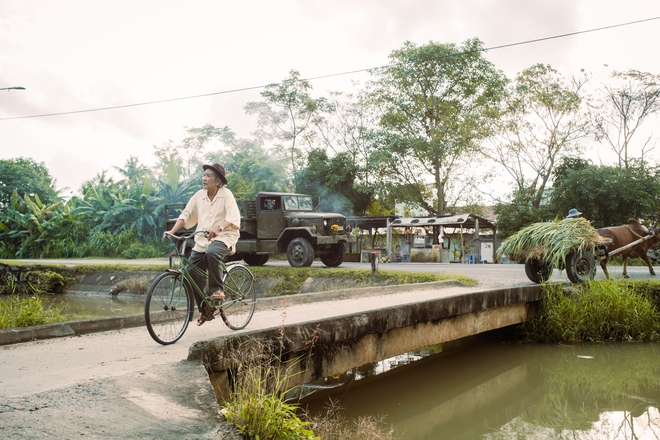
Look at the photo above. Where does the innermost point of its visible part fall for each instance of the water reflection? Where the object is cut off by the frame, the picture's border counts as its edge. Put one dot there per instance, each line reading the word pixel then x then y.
pixel 503 391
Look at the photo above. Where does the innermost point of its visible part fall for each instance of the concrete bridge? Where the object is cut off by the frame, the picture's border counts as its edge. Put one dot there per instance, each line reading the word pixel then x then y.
pixel 332 345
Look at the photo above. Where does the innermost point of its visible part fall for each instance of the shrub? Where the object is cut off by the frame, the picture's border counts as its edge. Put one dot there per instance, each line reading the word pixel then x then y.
pixel 606 310
pixel 16 312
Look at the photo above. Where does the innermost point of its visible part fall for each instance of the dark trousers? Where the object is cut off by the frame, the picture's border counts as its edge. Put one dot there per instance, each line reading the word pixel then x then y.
pixel 209 260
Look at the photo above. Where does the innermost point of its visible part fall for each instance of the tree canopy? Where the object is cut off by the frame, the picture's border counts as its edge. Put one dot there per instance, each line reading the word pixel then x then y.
pixel 437 102
pixel 26 177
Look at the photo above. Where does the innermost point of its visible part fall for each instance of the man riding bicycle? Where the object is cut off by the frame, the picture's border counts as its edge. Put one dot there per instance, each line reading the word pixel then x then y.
pixel 213 208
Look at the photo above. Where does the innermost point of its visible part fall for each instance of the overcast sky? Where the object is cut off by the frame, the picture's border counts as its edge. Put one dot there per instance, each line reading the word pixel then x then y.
pixel 74 55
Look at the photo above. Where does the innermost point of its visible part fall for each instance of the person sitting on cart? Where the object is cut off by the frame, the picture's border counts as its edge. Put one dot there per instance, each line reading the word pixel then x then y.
pixel 213 208
pixel 574 213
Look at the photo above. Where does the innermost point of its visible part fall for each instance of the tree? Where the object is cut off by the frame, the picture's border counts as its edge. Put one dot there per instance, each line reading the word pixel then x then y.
pixel 630 101
pixel 606 195
pixel 437 102
pixel 189 154
pixel 27 177
pixel 250 169
pixel 543 122
pixel 331 182
pixel 134 173
pixel 287 115
pixel 350 126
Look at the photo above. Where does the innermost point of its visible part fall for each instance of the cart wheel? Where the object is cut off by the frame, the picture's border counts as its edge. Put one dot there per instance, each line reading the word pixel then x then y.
pixel 580 266
pixel 537 272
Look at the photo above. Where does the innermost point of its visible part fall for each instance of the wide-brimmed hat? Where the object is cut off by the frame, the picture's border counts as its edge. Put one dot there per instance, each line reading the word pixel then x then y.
pixel 573 213
pixel 217 169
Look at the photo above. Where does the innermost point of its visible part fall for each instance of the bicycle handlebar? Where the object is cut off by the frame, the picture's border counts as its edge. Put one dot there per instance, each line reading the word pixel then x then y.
pixel 183 236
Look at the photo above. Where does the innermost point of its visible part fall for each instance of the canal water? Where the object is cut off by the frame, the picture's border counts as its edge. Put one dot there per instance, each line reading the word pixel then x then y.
pixel 81 306
pixel 493 390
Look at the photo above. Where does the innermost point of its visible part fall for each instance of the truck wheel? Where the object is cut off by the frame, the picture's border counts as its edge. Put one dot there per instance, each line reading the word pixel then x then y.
pixel 580 266
pixel 256 259
pixel 537 272
pixel 300 253
pixel 335 255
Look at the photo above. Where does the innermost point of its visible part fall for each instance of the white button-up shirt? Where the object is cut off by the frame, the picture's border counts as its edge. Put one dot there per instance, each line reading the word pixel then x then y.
pixel 208 214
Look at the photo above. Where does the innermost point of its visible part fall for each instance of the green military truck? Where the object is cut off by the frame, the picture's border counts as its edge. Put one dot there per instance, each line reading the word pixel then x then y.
pixel 278 223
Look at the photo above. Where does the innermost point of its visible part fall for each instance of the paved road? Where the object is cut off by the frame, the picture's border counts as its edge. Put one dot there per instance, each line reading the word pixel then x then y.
pixel 121 384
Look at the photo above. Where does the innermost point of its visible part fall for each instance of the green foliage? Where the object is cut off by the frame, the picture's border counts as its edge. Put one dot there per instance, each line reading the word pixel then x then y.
pixel 256 406
pixel 608 196
pixel 597 311
pixel 437 102
pixel 26 177
pixel 251 168
pixel 331 182
pixel 514 216
pixel 17 312
pixel 144 250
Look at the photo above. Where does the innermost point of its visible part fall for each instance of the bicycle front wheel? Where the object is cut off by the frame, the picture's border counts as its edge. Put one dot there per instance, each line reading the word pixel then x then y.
pixel 240 299
pixel 168 308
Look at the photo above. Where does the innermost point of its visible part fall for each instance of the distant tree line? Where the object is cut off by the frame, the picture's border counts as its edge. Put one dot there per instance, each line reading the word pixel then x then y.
pixel 430 131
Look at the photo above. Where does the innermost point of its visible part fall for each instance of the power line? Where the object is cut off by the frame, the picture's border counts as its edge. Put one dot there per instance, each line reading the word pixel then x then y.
pixel 224 92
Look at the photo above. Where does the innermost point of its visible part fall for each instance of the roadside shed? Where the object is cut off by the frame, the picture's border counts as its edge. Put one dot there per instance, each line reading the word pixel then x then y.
pixel 456 226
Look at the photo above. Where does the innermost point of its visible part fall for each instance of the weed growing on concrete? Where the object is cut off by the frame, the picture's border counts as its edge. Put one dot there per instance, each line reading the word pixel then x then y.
pixel 258 407
pixel 138 285
pixel 598 311
pixel 17 312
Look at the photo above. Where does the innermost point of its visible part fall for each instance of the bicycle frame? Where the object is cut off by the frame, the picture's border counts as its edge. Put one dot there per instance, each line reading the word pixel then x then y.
pixel 185 264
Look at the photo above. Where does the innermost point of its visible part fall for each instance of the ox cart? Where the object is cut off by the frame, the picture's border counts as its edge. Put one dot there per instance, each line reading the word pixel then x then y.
pixel 571 244
pixel 580 264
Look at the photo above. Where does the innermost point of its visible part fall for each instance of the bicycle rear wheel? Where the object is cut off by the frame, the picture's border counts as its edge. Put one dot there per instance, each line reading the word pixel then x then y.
pixel 168 308
pixel 240 299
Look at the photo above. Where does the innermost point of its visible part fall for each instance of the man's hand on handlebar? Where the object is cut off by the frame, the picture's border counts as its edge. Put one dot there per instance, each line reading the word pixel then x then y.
pixel 214 232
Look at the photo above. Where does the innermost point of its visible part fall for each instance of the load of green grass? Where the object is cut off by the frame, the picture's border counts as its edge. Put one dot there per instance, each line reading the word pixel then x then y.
pixel 552 241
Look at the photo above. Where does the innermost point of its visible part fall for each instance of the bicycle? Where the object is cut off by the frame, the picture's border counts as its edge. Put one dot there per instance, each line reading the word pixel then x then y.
pixel 170 302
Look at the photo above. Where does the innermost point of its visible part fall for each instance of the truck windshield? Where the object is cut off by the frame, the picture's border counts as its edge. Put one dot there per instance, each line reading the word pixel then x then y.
pixel 298 203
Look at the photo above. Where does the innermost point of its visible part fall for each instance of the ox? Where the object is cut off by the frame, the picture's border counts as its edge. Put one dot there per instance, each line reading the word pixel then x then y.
pixel 626 234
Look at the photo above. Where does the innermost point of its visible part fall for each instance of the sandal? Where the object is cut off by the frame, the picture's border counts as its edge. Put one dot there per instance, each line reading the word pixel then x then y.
pixel 219 295
pixel 206 315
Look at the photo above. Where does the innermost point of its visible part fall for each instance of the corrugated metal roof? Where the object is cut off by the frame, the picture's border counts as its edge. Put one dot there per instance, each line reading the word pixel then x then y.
pixel 466 221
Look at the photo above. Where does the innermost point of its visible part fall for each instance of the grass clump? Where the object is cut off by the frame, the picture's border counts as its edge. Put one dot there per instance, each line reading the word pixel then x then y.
pixel 289 280
pixel 17 312
pixel 261 373
pixel 256 406
pixel 551 241
pixel 597 311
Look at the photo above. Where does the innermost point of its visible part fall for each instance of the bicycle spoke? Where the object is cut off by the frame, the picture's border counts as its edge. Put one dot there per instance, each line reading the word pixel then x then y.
pixel 168 308
pixel 240 299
